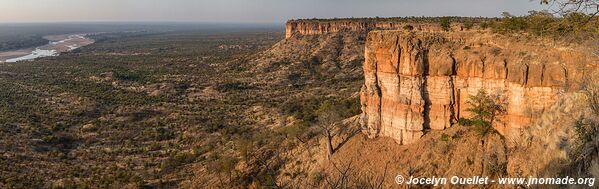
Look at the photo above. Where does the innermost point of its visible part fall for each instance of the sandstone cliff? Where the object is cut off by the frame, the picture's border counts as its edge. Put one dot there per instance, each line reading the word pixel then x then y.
pixel 420 81
pixel 415 88
pixel 310 27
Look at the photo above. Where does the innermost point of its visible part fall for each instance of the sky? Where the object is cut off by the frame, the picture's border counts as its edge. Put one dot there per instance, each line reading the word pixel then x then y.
pixel 247 11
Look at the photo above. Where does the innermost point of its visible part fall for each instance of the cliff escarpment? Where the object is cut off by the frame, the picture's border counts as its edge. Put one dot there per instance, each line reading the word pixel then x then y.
pixel 415 86
pixel 315 27
pixel 416 81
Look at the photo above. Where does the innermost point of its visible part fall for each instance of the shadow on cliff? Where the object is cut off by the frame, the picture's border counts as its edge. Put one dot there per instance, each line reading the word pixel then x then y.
pixel 424 91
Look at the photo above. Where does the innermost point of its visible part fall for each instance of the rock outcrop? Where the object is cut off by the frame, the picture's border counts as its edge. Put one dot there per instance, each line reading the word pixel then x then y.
pixel 418 81
pixel 315 27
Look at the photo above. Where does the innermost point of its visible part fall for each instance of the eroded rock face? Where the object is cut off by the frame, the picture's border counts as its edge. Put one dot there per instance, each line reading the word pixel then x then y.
pixel 419 81
pixel 312 27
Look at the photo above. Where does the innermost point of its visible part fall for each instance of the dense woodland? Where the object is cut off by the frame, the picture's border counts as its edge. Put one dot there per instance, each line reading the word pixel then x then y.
pixel 124 110
pixel 151 110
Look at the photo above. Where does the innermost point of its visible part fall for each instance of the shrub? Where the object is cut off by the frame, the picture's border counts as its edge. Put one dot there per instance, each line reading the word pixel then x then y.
pixel 231 86
pixel 586 132
pixel 468 25
pixel 296 131
pixel 484 25
pixel 224 164
pixel 464 122
pixel 408 27
pixel 469 161
pixel 134 76
pixel 161 133
pixel 495 167
pixel 177 160
pixel 444 137
pixel 445 23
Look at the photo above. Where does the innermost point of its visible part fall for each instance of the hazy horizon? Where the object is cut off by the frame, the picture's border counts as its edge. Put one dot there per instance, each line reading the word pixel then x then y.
pixel 244 11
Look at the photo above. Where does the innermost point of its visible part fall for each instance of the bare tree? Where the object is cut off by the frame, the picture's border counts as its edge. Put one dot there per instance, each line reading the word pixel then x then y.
pixel 373 182
pixel 410 172
pixel 596 51
pixel 345 177
pixel 340 179
pixel 564 7
pixel 590 88
pixel 327 117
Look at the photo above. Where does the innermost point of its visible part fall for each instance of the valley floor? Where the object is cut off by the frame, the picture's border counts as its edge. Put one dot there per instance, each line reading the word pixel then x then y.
pixel 130 110
pixel 161 110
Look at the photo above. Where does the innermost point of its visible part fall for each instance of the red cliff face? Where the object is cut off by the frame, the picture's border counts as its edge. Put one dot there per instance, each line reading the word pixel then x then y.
pixel 418 81
pixel 308 27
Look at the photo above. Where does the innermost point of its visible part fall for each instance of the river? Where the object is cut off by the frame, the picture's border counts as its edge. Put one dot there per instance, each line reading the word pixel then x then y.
pixel 58 44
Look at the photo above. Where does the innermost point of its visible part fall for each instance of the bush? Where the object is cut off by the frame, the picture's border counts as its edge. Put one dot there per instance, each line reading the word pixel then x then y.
pixel 296 131
pixel 232 86
pixel 468 25
pixel 127 75
pixel 445 23
pixel 225 164
pixel 177 160
pixel 496 167
pixel 408 27
pixel 484 25
pixel 465 122
pixel 586 132
pixel 444 137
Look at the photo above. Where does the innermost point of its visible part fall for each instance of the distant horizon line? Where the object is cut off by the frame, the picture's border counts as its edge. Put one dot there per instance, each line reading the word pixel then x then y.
pixel 230 22
pixel 142 22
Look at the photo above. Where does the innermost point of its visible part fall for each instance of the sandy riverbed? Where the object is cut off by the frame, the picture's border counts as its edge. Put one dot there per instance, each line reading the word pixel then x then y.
pixel 58 44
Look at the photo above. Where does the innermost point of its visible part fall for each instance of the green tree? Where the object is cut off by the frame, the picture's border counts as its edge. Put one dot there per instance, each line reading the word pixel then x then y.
pixel 538 22
pixel 484 110
pixel 445 23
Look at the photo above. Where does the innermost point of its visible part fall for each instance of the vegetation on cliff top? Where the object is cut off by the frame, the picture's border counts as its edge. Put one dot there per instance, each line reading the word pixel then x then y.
pixel 542 23
pixel 410 19
pixel 570 23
